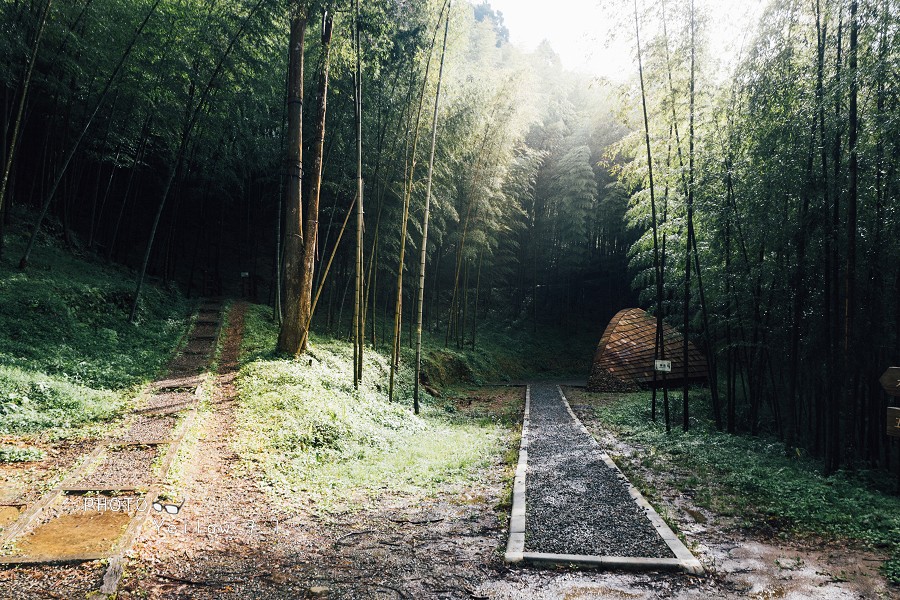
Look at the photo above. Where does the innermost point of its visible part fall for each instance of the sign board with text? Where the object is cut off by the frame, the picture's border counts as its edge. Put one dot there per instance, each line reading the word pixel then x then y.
pixel 893 421
pixel 664 366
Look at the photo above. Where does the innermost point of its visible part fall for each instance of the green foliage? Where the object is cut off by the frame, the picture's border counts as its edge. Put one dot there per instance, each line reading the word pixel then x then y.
pixel 754 479
pixel 32 401
pixel 68 354
pixel 510 352
pixel 308 429
pixel 11 454
pixel 775 212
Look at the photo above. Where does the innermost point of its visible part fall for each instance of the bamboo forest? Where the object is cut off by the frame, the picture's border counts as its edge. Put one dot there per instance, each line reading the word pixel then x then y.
pixel 487 299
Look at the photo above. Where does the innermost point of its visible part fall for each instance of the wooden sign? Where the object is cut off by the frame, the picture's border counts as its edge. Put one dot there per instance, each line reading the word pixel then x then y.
pixel 890 381
pixel 664 366
pixel 893 421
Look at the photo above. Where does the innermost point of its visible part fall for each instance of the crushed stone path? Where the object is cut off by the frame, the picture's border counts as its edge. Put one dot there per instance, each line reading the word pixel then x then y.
pixel 578 506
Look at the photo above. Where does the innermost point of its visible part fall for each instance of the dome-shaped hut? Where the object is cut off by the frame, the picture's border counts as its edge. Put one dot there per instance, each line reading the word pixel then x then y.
pixel 625 355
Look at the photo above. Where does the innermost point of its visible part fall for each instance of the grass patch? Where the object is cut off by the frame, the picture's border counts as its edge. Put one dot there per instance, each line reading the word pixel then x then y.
pixel 69 355
pixel 308 430
pixel 11 454
pixel 754 479
pixel 505 351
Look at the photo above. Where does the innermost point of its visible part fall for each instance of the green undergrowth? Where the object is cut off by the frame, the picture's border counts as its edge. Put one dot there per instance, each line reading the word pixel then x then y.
pixel 754 480
pixel 306 428
pixel 505 351
pixel 12 454
pixel 68 355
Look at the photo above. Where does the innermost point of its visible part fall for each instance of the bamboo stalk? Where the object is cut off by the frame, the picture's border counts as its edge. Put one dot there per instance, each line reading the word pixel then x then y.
pixel 424 249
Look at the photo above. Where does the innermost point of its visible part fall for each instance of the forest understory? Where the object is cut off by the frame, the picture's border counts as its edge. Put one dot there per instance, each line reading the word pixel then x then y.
pixel 400 206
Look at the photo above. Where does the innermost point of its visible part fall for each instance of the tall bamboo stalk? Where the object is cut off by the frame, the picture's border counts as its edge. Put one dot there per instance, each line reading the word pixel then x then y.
pixel 659 351
pixel 358 335
pixel 423 255
pixel 690 235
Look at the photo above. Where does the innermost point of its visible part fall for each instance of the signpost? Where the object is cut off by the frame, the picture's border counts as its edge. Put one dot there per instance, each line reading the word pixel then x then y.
pixel 665 366
pixel 893 421
pixel 890 381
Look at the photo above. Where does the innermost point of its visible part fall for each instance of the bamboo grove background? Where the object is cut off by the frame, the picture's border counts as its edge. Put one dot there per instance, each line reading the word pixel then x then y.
pixel 127 122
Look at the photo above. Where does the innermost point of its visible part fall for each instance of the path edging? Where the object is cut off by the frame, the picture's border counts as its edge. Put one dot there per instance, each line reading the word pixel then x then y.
pixel 684 559
pixel 516 547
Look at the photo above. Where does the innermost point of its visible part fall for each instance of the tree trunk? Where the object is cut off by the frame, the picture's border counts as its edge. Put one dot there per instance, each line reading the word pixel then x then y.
pixel 359 336
pixel 852 201
pixel 659 349
pixel 835 373
pixel 290 333
pixel 310 233
pixel 690 234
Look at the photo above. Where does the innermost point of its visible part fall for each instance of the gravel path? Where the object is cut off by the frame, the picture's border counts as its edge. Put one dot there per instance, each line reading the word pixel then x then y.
pixel 576 504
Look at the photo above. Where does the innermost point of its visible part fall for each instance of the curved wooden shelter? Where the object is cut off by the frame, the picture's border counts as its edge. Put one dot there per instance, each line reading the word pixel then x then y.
pixel 625 354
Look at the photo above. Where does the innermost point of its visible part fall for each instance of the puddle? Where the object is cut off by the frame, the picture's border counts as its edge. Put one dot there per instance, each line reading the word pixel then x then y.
pixel 78 534
pixel 79 525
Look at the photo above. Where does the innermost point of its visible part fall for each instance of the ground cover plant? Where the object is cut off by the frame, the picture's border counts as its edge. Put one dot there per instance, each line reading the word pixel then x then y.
pixel 754 479
pixel 68 355
pixel 307 429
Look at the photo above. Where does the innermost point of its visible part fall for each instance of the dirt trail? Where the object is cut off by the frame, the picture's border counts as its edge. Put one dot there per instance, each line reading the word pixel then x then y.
pixel 88 499
pixel 228 540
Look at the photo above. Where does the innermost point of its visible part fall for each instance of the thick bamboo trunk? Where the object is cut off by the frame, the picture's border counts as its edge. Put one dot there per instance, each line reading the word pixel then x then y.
pixel 837 369
pixel 690 235
pixel 359 336
pixel 310 234
pixel 290 333
pixel 852 218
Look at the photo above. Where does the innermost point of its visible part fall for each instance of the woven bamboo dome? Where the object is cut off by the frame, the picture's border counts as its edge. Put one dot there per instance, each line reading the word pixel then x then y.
pixel 624 357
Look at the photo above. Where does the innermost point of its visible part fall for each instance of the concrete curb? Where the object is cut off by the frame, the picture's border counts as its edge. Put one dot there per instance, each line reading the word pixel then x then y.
pixel 516 546
pixel 628 563
pixel 683 560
